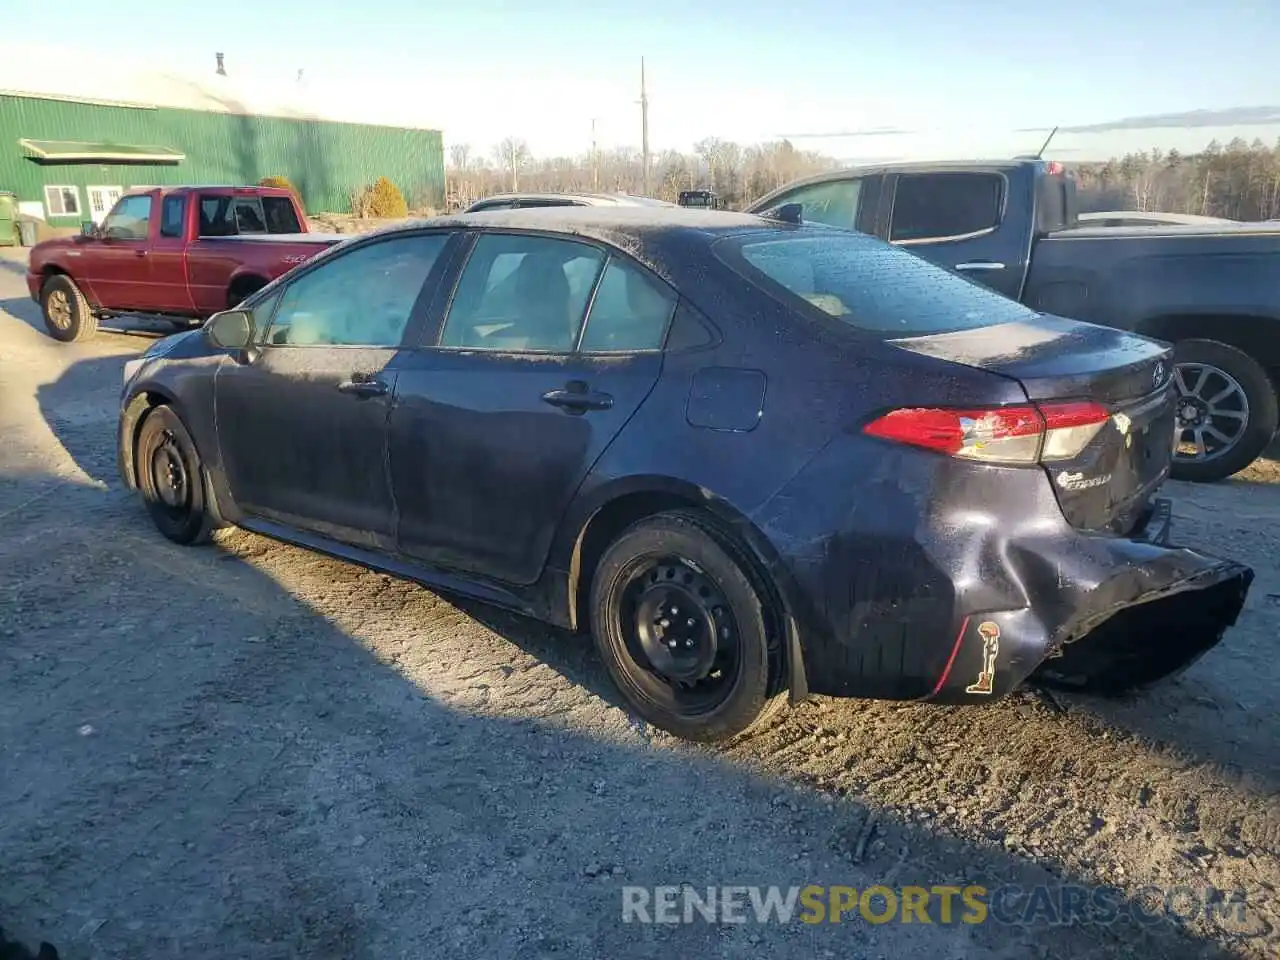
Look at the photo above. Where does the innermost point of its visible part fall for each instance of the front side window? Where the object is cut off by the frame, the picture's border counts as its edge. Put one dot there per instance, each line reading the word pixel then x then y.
pixel 129 218
pixel 867 283
pixel 834 203
pixel 62 201
pixel 942 206
pixel 363 297
pixel 630 312
pixel 522 293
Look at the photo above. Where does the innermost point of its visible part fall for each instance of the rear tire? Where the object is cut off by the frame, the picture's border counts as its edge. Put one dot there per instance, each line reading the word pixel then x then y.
pixel 681 624
pixel 1251 393
pixel 67 314
pixel 172 479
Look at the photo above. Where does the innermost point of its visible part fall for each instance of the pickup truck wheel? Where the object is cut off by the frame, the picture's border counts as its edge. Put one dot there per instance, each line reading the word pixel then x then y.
pixel 67 314
pixel 1227 411
pixel 242 290
pixel 171 477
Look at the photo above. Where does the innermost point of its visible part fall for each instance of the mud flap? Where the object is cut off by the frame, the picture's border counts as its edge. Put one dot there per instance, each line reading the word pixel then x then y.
pixel 1130 643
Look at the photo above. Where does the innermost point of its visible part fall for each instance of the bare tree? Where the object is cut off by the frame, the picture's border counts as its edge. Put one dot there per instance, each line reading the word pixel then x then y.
pixel 511 155
pixel 460 156
pixel 1238 180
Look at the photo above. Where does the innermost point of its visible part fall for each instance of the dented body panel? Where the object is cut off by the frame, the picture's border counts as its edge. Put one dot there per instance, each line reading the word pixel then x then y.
pixel 901 573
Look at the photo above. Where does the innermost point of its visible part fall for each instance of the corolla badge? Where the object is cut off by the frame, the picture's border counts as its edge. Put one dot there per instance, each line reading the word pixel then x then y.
pixel 1078 481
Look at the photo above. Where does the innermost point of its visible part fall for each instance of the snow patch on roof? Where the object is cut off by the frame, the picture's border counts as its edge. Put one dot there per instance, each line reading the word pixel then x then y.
pixel 51 73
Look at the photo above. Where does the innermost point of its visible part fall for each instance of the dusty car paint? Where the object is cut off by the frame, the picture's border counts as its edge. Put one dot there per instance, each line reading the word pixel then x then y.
pixel 898 573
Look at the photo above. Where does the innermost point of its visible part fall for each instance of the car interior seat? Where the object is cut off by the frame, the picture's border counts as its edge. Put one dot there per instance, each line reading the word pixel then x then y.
pixel 546 318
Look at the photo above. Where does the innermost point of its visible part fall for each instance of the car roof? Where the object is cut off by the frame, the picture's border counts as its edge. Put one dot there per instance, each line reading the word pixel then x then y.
pixel 590 199
pixel 609 223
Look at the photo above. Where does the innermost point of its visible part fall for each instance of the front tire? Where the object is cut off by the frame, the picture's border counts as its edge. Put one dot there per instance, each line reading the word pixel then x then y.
pixel 682 626
pixel 67 314
pixel 1227 411
pixel 171 477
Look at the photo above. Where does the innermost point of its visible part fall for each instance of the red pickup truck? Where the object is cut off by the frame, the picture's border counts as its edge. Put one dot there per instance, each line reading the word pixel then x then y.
pixel 178 253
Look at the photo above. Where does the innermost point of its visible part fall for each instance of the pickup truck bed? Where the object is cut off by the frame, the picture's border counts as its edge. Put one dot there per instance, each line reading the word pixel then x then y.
pixel 1212 290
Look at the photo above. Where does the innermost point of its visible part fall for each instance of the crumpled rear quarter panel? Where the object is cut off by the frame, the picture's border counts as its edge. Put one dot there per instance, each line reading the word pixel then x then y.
pixel 902 559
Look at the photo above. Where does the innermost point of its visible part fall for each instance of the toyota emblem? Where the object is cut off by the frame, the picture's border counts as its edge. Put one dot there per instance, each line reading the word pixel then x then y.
pixel 1158 375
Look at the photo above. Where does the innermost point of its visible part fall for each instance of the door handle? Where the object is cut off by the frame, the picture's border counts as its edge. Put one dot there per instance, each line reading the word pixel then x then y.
pixel 363 389
pixel 980 265
pixel 578 400
pixel 139 253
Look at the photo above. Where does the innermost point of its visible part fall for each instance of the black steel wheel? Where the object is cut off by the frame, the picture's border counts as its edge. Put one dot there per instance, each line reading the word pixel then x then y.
pixel 1226 413
pixel 171 478
pixel 680 623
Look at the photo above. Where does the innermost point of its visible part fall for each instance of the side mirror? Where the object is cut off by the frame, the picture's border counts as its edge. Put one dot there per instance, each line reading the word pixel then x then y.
pixel 231 329
pixel 89 229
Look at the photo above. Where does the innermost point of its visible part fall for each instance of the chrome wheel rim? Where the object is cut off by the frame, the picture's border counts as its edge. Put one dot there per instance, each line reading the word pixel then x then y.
pixel 1212 412
pixel 59 309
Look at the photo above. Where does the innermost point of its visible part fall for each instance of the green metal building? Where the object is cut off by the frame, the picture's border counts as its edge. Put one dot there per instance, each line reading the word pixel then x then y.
pixel 74 156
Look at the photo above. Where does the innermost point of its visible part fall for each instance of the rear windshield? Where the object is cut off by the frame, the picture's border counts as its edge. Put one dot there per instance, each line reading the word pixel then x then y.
pixel 868 284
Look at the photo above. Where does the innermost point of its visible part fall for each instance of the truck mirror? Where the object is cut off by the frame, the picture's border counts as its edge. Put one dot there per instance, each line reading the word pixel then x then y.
pixel 89 229
pixel 231 329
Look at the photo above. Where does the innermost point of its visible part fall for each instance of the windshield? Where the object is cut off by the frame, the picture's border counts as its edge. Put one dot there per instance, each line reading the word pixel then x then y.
pixel 867 283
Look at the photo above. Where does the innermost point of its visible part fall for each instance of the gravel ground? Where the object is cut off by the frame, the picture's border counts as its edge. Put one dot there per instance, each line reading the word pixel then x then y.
pixel 246 750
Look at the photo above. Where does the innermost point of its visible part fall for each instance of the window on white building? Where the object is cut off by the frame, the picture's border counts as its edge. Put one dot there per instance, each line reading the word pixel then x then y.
pixel 62 201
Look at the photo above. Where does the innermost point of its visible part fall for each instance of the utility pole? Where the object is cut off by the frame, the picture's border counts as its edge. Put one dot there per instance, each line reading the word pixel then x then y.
pixel 595 159
pixel 644 127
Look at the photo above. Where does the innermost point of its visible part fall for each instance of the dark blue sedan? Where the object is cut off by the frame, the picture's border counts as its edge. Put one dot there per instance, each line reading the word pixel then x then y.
pixel 757 458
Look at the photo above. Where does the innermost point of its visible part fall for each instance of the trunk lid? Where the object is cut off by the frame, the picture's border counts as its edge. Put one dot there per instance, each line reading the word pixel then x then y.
pixel 1107 483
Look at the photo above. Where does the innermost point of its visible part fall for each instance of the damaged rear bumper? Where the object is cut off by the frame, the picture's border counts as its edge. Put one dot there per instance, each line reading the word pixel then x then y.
pixel 1107 615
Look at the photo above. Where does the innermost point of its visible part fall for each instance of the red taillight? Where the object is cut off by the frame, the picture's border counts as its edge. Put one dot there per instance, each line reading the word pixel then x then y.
pixel 1053 168
pixel 1014 434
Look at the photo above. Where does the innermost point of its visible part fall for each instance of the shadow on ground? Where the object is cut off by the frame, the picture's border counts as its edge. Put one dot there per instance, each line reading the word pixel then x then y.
pixel 144 328
pixel 200 765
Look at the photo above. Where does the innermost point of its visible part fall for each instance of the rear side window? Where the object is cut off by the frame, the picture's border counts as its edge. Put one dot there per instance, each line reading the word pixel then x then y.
pixel 868 284
pixel 940 206
pixel 630 312
pixel 172 213
pixel 522 293
pixel 280 215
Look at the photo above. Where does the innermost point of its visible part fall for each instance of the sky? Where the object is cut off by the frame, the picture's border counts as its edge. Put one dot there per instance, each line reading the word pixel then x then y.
pixel 956 77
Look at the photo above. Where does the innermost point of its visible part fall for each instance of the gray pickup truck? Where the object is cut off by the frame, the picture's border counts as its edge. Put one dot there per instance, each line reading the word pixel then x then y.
pixel 1212 290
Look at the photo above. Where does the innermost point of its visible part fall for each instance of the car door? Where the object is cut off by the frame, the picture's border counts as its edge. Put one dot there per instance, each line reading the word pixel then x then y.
pixel 495 427
pixel 953 219
pixel 121 262
pixel 169 256
pixel 302 426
